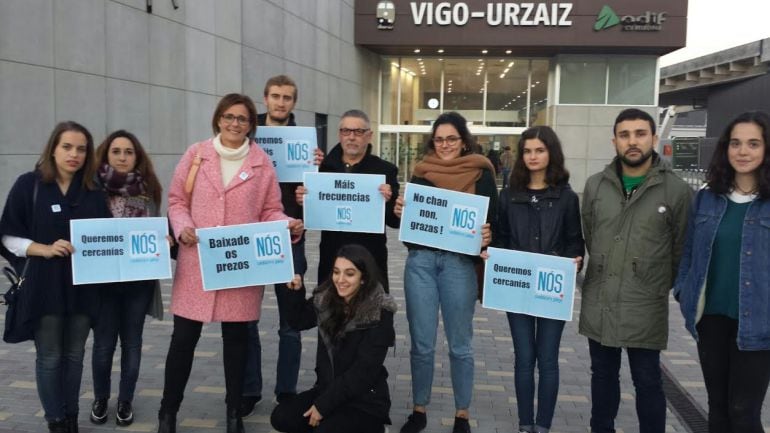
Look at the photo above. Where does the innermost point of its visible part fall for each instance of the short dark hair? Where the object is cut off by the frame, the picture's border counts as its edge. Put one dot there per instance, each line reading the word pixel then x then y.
pixel 143 163
pixel 555 173
pixel 461 125
pixel 633 114
pixel 46 164
pixel 228 101
pixel 721 175
pixel 280 80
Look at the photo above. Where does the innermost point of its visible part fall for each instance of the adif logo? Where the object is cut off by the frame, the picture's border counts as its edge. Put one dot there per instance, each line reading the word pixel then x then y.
pixel 606 19
pixel 143 244
pixel 647 22
pixel 386 15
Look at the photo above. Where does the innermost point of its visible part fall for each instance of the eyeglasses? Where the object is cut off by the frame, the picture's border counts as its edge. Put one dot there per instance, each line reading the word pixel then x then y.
pixel 229 118
pixel 452 140
pixel 357 132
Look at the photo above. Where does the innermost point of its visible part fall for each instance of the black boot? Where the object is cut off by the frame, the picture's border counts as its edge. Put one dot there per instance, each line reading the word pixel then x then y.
pixel 72 424
pixel 166 422
pixel 58 426
pixel 234 421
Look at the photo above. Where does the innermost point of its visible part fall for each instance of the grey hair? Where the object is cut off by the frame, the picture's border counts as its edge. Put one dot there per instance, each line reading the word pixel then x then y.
pixel 357 114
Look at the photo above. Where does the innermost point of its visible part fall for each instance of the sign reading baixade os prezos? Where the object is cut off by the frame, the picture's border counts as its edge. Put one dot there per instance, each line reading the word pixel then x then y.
pixel 495 14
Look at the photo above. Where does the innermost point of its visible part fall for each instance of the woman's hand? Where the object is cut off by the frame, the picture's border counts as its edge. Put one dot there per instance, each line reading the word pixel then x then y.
pixel 314 417
pixel 60 248
pixel 484 255
pixel 170 240
pixel 386 191
pixel 188 237
pixel 296 227
pixel 319 156
pixel 299 194
pixel 295 283
pixel 579 263
pixel 398 209
pixel 486 235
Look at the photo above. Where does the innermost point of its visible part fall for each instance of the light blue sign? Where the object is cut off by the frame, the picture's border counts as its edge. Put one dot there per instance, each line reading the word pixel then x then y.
pixel 119 249
pixel 535 284
pixel 291 148
pixel 344 202
pixel 245 255
pixel 443 219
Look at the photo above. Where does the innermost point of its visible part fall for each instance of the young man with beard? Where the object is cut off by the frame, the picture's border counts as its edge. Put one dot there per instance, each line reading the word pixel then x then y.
pixel 280 97
pixel 634 218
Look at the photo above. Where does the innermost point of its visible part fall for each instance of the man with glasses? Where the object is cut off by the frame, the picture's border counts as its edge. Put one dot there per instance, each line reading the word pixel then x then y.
pixel 280 96
pixel 353 154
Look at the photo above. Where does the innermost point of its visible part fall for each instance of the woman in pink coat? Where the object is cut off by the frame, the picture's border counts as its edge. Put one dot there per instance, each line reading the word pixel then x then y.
pixel 224 180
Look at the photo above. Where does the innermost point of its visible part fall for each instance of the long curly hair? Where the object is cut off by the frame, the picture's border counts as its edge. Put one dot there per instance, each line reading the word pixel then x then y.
pixel 555 173
pixel 461 125
pixel 721 175
pixel 143 163
pixel 340 311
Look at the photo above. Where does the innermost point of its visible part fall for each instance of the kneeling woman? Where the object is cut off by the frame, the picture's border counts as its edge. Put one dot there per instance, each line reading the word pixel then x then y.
pixel 354 316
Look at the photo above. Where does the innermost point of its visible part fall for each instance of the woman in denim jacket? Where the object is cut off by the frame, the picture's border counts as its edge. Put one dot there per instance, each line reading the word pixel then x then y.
pixel 723 285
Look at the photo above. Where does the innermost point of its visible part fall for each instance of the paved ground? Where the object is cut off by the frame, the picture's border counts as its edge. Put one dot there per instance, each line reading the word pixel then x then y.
pixel 493 408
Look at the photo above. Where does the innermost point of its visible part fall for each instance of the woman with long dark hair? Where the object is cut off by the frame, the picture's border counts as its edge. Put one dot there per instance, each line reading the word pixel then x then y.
pixel 538 213
pixel 723 285
pixel 442 280
pixel 35 229
pixel 224 180
pixel 354 316
pixel 127 176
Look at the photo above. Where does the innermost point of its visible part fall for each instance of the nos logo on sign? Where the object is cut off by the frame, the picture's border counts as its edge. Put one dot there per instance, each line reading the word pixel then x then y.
pixel 464 218
pixel 268 246
pixel 143 244
pixel 297 151
pixel 550 283
pixel 344 215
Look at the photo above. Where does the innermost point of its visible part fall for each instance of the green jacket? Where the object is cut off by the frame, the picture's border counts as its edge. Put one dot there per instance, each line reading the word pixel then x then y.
pixel 634 247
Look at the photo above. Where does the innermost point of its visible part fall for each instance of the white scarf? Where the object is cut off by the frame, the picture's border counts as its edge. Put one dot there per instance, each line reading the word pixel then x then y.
pixel 230 160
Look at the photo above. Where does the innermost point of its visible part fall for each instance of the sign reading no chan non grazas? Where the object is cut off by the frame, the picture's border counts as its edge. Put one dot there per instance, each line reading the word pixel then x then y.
pixel 119 249
pixel 245 255
pixel 443 219
pixel 535 284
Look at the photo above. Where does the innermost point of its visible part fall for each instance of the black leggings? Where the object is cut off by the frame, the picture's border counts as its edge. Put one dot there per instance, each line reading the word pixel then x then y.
pixel 287 417
pixel 736 380
pixel 180 358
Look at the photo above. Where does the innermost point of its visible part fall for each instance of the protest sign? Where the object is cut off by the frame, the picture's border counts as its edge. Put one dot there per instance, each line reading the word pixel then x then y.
pixel 443 219
pixel 119 249
pixel 245 255
pixel 535 284
pixel 344 202
pixel 291 148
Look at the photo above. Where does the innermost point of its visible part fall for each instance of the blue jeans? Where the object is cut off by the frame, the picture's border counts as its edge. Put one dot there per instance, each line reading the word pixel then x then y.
pixel 605 388
pixel 289 353
pixel 60 344
pixel 434 279
pixel 535 340
pixel 506 175
pixel 124 306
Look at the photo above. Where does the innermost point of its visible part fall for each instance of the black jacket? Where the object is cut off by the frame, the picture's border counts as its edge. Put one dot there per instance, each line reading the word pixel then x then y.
pixel 351 372
pixel 48 287
pixel 374 242
pixel 549 226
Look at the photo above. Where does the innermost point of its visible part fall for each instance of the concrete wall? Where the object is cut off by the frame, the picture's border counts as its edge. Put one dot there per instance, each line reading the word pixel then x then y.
pixel 109 64
pixel 585 132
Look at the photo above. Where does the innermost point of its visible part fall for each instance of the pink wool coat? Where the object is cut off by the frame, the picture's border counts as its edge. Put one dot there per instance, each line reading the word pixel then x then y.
pixel 253 195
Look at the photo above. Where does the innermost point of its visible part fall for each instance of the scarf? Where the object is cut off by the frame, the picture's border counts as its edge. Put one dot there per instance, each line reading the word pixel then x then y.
pixel 458 174
pixel 230 160
pixel 126 191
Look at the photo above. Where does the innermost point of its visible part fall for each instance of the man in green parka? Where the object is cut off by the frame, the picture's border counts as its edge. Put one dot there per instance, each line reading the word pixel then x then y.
pixel 634 217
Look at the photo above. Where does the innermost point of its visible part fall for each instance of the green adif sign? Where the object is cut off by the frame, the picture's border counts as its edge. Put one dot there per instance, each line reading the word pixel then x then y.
pixel 606 19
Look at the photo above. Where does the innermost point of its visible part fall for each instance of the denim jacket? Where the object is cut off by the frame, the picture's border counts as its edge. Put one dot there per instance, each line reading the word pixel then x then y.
pixel 754 279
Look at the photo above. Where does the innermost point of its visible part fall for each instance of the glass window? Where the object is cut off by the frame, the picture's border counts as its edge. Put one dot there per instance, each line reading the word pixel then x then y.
pixel 631 80
pixel 390 74
pixel 507 92
pixel 538 108
pixel 464 89
pixel 583 81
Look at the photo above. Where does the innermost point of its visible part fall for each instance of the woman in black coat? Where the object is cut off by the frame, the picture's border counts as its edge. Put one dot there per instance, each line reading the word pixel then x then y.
pixel 354 316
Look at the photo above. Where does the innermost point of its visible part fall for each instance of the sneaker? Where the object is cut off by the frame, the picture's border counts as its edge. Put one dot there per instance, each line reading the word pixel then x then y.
pixel 248 404
pixel 461 425
pixel 99 411
pixel 125 414
pixel 415 423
